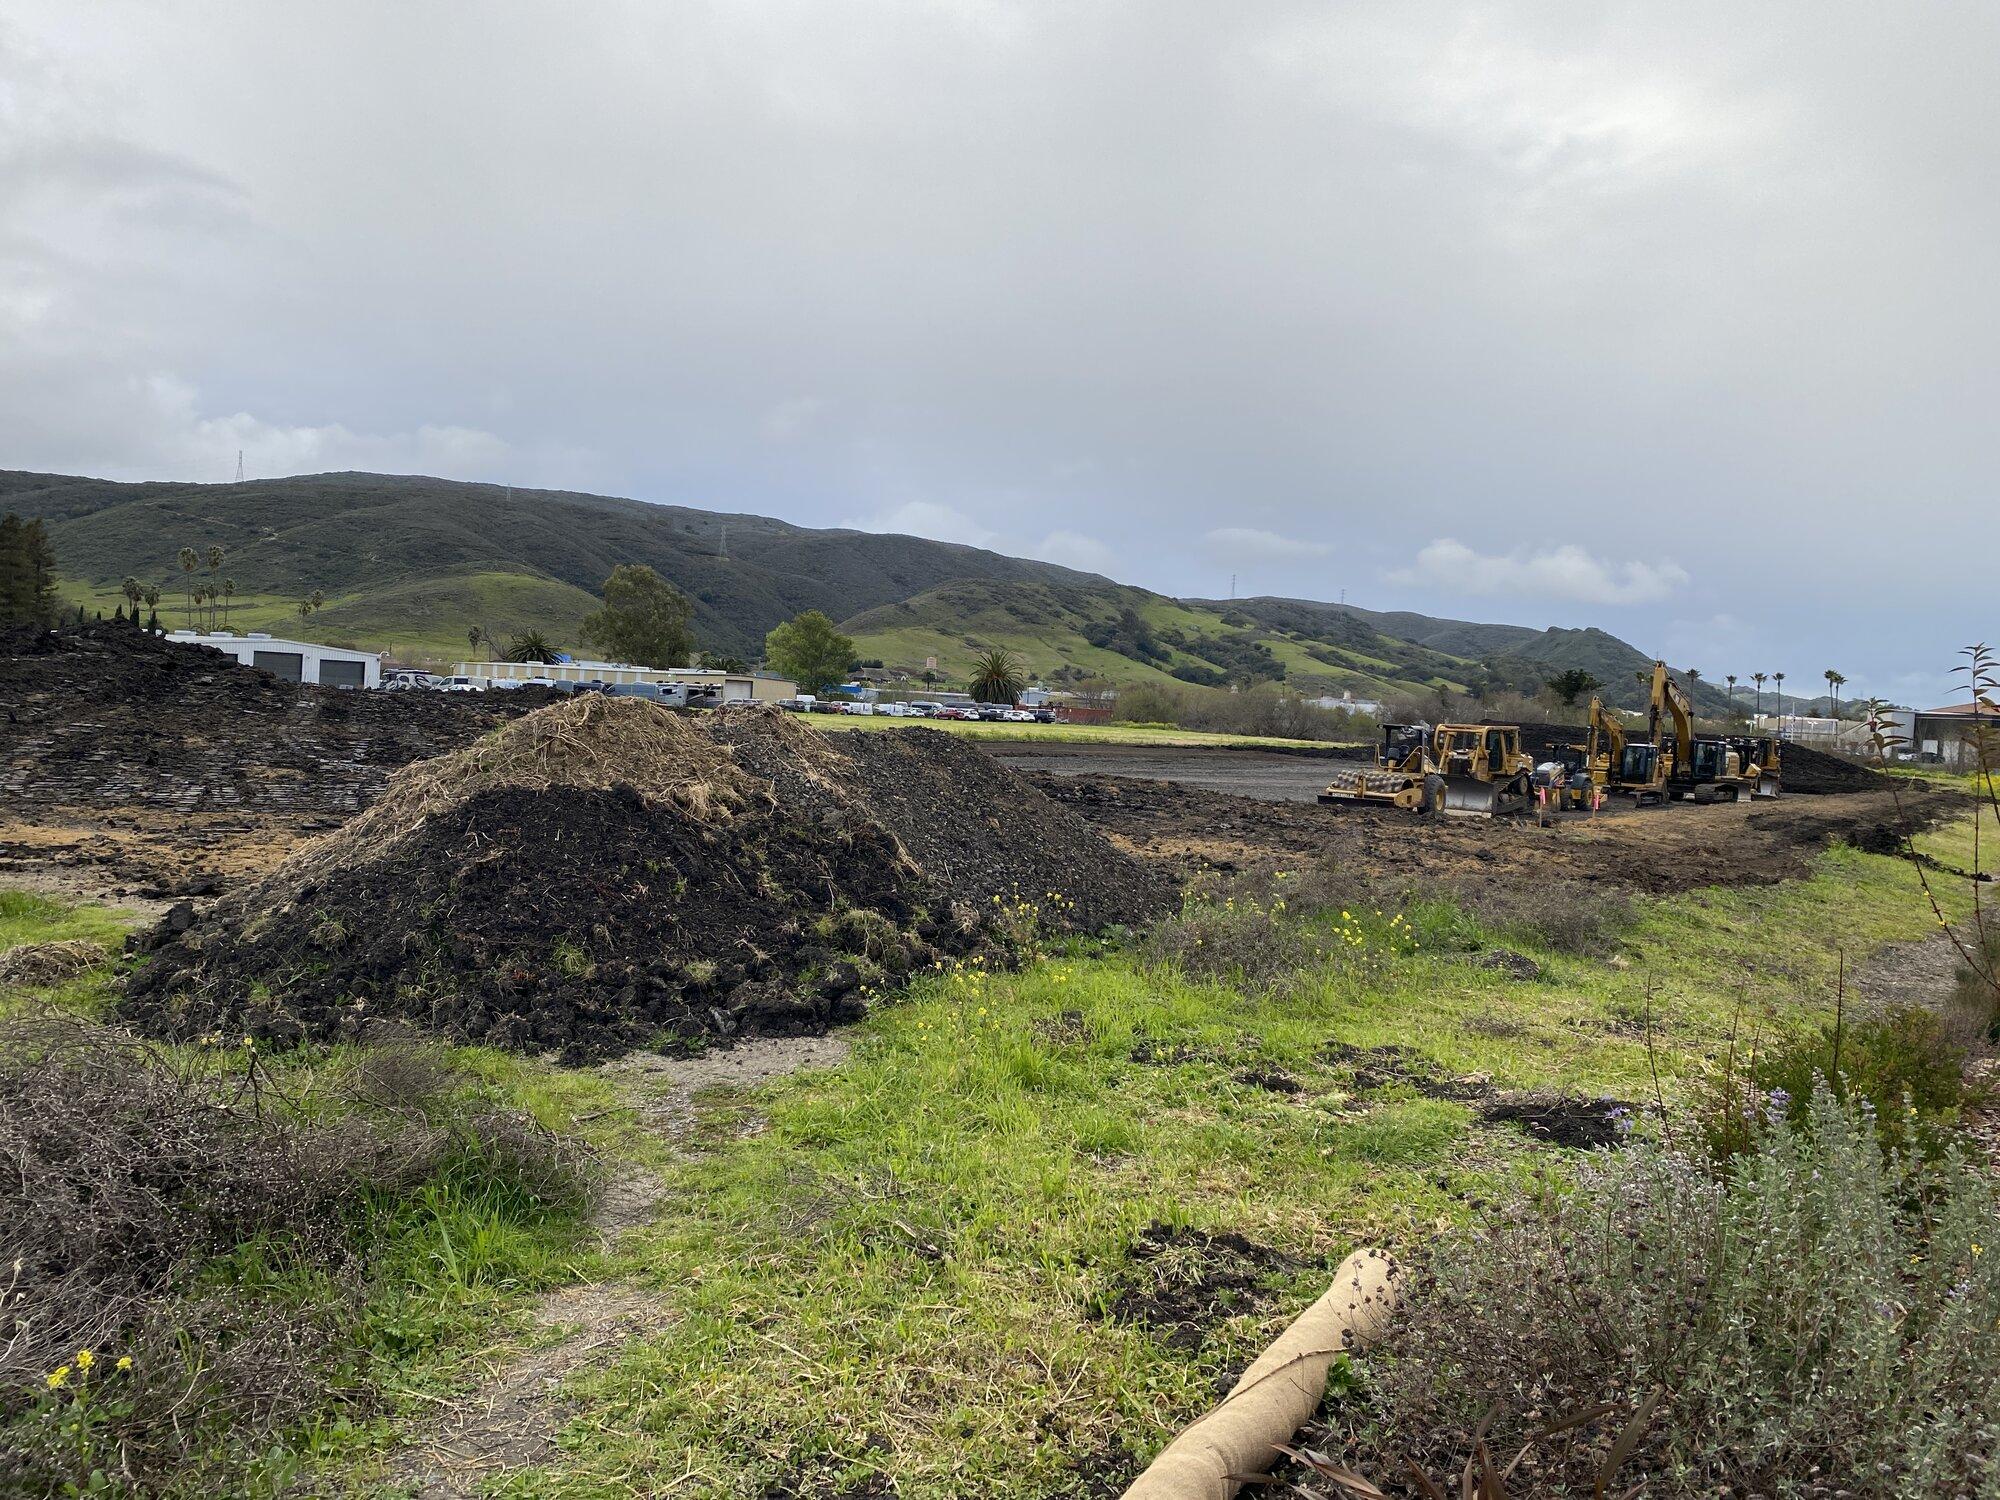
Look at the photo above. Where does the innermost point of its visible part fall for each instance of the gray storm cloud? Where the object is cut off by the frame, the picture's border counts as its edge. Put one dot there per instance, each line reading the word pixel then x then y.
pixel 1638 316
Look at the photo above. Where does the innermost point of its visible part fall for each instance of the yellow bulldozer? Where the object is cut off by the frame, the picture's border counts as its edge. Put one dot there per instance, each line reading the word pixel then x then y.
pixel 1467 768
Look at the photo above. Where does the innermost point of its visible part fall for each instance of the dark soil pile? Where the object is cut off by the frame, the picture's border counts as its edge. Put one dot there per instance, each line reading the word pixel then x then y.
pixel 1814 772
pixel 106 715
pixel 1542 740
pixel 605 874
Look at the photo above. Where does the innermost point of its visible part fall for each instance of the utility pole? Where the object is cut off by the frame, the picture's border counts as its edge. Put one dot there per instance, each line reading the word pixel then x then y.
pixel 239 465
pixel 1232 585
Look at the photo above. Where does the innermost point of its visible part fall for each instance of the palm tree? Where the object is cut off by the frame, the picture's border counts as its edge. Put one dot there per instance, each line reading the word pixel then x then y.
pixel 997 677
pixel 1758 678
pixel 1834 682
pixel 228 593
pixel 130 589
pixel 213 554
pixel 1731 680
pixel 151 594
pixel 531 645
pixel 189 560
pixel 1779 678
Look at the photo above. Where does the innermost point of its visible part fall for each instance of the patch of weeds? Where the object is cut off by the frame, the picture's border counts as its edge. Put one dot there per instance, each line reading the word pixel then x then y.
pixel 1814 1314
pixel 205 1247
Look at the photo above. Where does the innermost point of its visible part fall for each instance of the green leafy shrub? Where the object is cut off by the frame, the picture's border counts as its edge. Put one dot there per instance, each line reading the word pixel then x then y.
pixel 1817 1316
pixel 1904 1066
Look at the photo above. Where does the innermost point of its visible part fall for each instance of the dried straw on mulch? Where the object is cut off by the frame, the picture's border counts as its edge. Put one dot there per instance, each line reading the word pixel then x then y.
pixel 49 963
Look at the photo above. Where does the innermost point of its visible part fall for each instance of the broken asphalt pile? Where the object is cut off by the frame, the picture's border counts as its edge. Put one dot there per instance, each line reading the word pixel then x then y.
pixel 106 714
pixel 605 874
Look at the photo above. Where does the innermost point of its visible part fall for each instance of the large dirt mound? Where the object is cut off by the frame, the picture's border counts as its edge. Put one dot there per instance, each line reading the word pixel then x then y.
pixel 604 873
pixel 105 714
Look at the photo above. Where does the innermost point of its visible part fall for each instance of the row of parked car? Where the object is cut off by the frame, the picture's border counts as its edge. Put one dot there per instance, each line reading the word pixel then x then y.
pixel 997 713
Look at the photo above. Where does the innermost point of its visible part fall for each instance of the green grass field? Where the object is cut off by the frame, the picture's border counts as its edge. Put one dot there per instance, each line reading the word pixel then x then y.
pixel 902 1270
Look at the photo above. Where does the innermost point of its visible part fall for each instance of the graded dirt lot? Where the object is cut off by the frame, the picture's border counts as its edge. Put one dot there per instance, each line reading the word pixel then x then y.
pixel 1652 850
pixel 1270 775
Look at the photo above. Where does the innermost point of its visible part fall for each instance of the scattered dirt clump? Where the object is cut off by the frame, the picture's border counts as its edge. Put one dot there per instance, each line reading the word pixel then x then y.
pixel 605 874
pixel 1182 1282
pixel 1563 1119
pixel 1392 1066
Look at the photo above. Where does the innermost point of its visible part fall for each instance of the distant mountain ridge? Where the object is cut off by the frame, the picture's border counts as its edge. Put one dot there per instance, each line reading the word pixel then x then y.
pixel 410 564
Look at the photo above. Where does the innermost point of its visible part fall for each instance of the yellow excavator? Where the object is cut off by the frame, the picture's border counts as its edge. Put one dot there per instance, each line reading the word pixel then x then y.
pixel 1674 761
pixel 1470 768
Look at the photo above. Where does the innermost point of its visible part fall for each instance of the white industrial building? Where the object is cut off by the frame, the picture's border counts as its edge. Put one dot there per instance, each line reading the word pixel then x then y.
pixel 291 661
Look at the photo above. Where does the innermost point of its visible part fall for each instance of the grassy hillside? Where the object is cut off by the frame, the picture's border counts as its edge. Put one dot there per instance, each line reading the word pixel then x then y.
pixel 410 564
pixel 363 536
pixel 1129 635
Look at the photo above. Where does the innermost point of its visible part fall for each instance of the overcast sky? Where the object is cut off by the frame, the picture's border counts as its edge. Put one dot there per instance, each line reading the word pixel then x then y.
pixel 1674 319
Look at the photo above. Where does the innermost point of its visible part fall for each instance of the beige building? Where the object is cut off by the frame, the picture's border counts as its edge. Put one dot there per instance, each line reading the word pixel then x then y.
pixel 727 687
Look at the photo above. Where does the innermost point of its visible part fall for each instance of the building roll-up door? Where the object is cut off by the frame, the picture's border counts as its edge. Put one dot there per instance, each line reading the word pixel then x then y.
pixel 347 674
pixel 286 666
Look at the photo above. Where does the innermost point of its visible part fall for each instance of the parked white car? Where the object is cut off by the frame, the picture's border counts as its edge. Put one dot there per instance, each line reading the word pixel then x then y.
pixel 461 685
pixel 857 708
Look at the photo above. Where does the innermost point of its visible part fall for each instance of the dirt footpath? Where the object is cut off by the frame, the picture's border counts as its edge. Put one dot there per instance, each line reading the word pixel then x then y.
pixel 1654 850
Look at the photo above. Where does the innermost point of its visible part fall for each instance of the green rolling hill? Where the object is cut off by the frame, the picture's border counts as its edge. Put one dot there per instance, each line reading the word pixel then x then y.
pixel 410 564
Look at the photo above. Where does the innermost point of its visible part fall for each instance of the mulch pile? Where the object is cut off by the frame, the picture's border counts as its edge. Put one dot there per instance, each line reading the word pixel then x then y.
pixel 108 715
pixel 1815 773
pixel 605 874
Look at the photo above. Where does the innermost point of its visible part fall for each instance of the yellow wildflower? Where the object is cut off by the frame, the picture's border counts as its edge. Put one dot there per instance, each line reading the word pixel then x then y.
pixel 124 1361
pixel 85 1359
pixel 58 1378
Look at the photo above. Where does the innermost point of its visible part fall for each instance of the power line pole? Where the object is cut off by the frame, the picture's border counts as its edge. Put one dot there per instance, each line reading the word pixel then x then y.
pixel 1232 585
pixel 239 465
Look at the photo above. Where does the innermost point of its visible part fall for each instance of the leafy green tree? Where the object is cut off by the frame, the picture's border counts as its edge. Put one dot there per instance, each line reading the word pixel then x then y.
pixel 645 621
pixel 1571 684
pixel 28 574
pixel 998 677
pixel 810 651
pixel 531 645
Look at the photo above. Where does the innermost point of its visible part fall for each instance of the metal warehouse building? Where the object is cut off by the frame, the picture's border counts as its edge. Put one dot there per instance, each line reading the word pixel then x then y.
pixel 292 661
